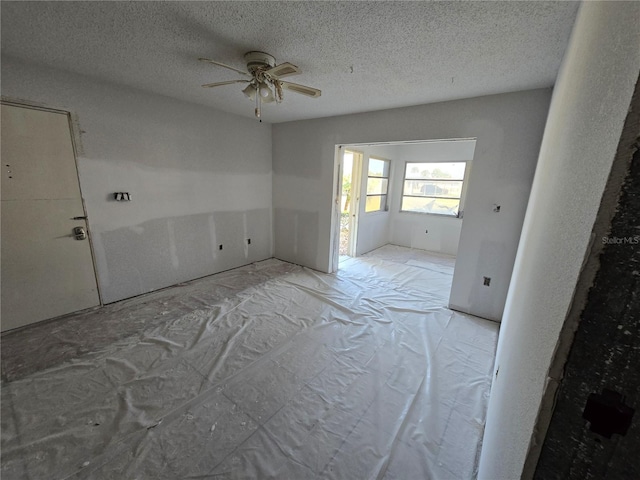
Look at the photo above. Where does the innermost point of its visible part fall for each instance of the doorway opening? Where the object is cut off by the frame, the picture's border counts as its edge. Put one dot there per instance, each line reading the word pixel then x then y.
pixel 407 194
pixel 349 202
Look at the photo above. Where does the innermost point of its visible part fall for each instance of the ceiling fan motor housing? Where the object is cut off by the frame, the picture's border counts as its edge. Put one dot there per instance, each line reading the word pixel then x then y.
pixel 259 60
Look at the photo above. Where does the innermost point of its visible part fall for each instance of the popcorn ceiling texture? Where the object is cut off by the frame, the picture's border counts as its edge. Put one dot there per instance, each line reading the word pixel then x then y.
pixel 365 56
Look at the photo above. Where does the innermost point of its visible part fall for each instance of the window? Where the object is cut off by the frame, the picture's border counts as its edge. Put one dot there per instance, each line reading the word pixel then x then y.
pixel 433 188
pixel 377 185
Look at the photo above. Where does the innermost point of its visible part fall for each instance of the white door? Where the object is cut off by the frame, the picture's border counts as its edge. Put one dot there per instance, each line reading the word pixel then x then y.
pixel 47 269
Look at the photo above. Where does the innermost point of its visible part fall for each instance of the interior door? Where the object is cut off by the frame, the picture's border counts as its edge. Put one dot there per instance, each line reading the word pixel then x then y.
pixel 47 267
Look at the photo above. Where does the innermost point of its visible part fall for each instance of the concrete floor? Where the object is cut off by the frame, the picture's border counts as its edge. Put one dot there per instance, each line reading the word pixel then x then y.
pixel 266 371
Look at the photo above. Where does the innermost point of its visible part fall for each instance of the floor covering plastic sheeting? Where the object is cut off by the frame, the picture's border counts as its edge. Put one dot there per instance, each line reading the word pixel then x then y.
pixel 363 374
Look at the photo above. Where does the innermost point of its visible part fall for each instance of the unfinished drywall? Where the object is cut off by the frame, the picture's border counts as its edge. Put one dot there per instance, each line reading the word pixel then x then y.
pixel 427 232
pixel 435 233
pixel 508 129
pixel 199 178
pixel 589 107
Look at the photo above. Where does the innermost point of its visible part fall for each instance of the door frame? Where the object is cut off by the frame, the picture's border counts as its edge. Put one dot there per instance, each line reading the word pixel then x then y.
pixel 74 132
pixel 356 187
pixel 354 207
pixel 334 239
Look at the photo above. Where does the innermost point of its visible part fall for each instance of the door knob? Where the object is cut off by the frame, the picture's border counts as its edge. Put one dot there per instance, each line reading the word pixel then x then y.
pixel 80 233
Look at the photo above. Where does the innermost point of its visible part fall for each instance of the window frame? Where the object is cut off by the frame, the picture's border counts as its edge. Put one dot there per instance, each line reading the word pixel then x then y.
pixel 385 207
pixel 461 198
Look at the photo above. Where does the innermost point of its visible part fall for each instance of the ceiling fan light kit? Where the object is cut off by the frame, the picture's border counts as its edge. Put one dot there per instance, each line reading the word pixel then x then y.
pixel 249 91
pixel 265 84
pixel 265 91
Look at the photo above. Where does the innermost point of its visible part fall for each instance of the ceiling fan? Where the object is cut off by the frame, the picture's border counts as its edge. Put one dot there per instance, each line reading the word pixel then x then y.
pixel 265 84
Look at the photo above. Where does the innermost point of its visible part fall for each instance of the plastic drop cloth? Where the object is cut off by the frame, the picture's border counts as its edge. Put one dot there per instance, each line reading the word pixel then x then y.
pixel 269 371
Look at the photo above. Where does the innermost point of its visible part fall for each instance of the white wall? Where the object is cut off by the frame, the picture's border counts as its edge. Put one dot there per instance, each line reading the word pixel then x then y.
pixel 428 232
pixel 198 178
pixel 589 106
pixel 410 229
pixel 508 128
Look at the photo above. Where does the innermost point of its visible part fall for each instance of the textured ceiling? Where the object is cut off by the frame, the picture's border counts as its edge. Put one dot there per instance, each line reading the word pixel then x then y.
pixel 363 55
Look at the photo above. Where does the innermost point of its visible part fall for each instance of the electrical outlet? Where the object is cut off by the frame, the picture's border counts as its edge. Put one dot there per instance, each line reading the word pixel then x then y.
pixel 426 231
pixel 486 281
pixel 248 241
pixel 219 247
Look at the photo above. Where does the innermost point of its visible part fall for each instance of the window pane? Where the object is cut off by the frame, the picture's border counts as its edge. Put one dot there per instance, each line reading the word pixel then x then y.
pixel 442 206
pixel 378 168
pixel 375 203
pixel 451 170
pixel 377 186
pixel 433 188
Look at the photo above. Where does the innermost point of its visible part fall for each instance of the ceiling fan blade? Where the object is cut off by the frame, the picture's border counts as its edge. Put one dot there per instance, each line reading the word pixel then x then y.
pixel 283 70
pixel 303 89
pixel 223 65
pixel 228 82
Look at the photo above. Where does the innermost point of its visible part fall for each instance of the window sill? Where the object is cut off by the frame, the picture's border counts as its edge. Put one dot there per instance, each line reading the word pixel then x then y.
pixel 440 215
pixel 377 212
